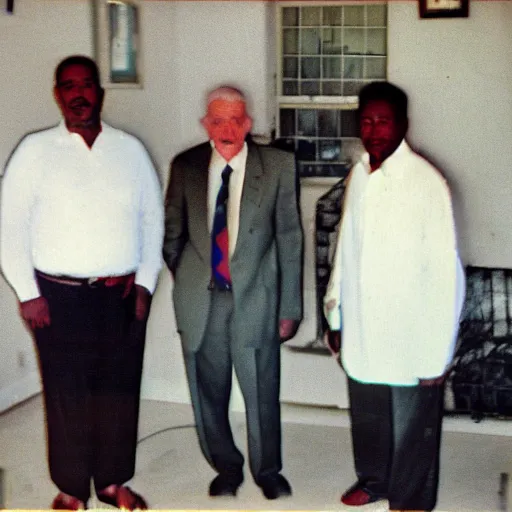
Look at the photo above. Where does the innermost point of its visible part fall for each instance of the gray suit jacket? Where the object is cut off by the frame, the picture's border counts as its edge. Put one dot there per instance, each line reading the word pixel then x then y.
pixel 266 266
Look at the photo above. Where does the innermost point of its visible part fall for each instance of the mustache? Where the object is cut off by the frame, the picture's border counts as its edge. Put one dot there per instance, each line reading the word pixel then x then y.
pixel 79 102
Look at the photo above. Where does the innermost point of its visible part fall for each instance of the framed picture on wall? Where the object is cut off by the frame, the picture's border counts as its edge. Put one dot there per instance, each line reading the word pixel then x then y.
pixel 117 40
pixel 444 8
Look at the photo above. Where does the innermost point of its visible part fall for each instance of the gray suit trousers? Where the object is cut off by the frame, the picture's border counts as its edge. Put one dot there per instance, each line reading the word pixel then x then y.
pixel 209 372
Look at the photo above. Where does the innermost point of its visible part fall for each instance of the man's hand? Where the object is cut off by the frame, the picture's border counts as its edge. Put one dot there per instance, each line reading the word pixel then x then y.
pixel 287 329
pixel 128 286
pixel 333 340
pixel 35 312
pixel 433 382
pixel 142 302
pixel 330 305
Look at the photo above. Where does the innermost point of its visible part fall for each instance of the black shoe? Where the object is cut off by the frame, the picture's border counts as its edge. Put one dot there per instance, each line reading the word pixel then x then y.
pixel 274 486
pixel 225 484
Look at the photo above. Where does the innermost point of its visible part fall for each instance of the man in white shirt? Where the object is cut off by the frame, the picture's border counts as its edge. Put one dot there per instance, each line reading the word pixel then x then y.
pixel 233 242
pixel 81 237
pixel 399 286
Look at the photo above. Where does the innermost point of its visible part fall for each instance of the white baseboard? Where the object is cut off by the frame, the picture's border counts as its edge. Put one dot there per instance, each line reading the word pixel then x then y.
pixel 163 390
pixel 334 417
pixel 19 391
pixel 318 414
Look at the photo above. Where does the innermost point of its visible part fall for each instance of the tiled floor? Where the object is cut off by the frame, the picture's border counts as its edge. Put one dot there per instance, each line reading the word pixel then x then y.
pixel 172 474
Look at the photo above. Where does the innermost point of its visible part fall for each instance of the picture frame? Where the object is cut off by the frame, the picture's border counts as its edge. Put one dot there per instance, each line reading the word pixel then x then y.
pixel 117 42
pixel 443 8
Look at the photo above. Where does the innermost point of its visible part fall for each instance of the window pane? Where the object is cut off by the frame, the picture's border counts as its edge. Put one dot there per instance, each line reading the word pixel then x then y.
pixel 290 16
pixel 349 127
pixel 331 41
pixel 307 122
pixel 354 16
pixel 338 170
pixel 310 67
pixel 353 41
pixel 376 15
pixel 287 122
pixel 310 41
pixel 306 150
pixel 353 67
pixel 376 41
pixel 290 67
pixel 376 67
pixel 329 150
pixel 290 41
pixel 307 169
pixel 331 88
pixel 290 88
pixel 352 88
pixel 351 151
pixel 332 67
pixel 332 16
pixel 310 16
pixel 328 123
pixel 310 88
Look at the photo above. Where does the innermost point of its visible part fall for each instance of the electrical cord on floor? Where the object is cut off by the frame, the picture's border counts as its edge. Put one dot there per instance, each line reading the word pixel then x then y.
pixel 168 429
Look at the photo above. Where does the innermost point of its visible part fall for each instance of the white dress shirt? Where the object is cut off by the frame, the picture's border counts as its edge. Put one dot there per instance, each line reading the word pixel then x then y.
pixel 397 277
pixel 71 210
pixel 236 185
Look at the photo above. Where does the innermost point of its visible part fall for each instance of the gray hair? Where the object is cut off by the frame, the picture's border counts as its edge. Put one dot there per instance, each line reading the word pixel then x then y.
pixel 226 92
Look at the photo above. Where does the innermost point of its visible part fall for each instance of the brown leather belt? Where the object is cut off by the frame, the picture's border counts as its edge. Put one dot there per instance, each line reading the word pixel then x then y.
pixel 91 282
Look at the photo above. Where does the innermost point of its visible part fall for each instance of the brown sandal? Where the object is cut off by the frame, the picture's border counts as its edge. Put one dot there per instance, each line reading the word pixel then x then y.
pixel 124 498
pixel 65 502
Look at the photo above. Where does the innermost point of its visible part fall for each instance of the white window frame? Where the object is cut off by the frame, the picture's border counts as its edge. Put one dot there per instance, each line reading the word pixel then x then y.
pixel 314 102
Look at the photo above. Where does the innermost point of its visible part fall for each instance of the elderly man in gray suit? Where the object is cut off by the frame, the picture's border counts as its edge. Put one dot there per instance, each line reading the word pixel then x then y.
pixel 233 243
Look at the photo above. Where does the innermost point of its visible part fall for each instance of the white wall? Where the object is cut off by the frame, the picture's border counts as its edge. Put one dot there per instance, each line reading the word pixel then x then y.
pixel 458 74
pixel 189 48
pixel 32 41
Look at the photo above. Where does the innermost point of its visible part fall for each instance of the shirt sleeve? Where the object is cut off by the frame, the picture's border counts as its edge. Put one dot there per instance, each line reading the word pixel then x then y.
pixel 151 225
pixel 443 290
pixel 19 187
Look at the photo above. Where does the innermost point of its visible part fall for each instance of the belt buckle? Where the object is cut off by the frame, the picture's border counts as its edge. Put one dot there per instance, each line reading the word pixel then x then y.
pixel 92 282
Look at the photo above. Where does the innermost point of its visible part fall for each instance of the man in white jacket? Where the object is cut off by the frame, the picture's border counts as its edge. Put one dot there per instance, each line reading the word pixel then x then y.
pixel 399 284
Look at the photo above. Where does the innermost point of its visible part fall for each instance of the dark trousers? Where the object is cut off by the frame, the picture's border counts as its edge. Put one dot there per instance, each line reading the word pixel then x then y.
pixel 91 364
pixel 396 434
pixel 209 373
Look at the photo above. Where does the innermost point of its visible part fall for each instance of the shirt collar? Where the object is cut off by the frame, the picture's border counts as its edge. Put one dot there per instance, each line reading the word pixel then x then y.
pixel 235 163
pixel 389 165
pixel 64 132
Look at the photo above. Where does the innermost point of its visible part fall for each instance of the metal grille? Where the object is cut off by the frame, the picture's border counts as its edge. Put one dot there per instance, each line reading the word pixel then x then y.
pixel 481 374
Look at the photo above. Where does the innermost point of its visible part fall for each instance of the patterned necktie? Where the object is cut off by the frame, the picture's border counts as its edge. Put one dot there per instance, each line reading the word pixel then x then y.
pixel 221 277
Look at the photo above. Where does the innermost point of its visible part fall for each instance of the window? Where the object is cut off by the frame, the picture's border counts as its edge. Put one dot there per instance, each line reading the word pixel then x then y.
pixel 118 42
pixel 326 54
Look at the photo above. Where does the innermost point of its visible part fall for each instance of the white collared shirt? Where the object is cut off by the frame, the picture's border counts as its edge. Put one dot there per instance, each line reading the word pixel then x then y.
pixel 68 209
pixel 397 276
pixel 236 184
